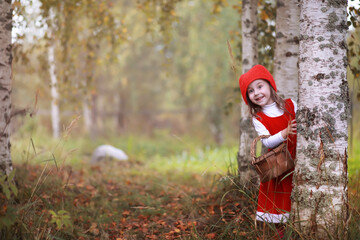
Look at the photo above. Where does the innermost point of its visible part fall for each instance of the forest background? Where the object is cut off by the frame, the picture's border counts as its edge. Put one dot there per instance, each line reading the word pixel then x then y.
pixel 156 80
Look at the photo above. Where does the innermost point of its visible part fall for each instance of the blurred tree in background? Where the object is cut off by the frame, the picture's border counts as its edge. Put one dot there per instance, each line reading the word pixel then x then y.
pixel 353 54
pixel 133 67
pixel 138 67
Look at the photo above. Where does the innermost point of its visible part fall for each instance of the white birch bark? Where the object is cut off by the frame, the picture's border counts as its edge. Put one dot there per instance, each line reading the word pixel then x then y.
pixel 55 112
pixel 319 198
pixel 249 59
pixel 86 114
pixel 287 48
pixel 81 72
pixel 94 116
pixel 5 85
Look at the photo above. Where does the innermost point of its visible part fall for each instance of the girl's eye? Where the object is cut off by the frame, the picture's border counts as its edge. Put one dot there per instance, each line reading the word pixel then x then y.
pixel 250 91
pixel 260 86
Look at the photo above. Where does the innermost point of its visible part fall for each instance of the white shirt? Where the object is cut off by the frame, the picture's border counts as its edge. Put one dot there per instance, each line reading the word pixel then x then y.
pixel 270 110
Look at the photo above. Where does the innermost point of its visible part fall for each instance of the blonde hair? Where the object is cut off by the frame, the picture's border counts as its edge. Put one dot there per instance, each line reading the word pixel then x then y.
pixel 254 108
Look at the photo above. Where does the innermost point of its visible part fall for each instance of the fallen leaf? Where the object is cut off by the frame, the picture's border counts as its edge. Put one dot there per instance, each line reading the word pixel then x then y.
pixel 211 235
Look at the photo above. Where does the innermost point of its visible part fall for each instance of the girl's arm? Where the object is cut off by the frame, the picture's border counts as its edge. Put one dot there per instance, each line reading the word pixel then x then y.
pixel 271 141
pixel 277 138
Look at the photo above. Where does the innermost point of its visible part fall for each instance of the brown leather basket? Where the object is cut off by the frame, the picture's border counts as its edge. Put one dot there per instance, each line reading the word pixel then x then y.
pixel 272 164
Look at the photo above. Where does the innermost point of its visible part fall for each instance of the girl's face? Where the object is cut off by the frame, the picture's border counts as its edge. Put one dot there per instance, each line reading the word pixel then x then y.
pixel 259 93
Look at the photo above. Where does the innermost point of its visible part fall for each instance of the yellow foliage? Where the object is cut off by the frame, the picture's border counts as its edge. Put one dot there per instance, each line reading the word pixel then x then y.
pixel 106 19
pixel 216 9
pixel 101 7
pixel 16 5
pixel 264 16
pixel 99 61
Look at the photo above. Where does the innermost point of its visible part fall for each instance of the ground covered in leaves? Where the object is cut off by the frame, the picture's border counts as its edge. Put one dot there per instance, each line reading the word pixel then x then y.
pixel 123 201
pixel 126 201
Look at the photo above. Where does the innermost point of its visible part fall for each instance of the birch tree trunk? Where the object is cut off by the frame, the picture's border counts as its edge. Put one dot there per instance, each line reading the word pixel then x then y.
pixel 86 114
pixel 89 107
pixel 55 112
pixel 320 180
pixel 5 86
pixel 249 59
pixel 94 116
pixel 89 103
pixel 287 48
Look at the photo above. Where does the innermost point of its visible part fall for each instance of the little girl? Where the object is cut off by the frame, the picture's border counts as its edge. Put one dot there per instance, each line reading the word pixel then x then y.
pixel 271 115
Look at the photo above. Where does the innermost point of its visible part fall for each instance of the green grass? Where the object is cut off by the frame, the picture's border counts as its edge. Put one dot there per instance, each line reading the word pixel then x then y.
pixel 354 159
pixel 163 152
pixel 205 160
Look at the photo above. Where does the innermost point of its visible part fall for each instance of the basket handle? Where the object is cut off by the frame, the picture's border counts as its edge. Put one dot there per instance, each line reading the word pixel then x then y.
pixel 252 150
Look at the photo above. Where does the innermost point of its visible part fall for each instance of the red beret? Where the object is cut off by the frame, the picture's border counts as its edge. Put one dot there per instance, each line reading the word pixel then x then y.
pixel 256 72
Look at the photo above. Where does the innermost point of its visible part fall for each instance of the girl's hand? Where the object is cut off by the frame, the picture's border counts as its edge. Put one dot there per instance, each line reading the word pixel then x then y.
pixel 291 129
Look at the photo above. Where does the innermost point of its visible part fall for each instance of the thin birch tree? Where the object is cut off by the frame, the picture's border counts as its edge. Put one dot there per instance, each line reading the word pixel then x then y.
pixel 249 59
pixel 55 111
pixel 287 48
pixel 5 85
pixel 320 202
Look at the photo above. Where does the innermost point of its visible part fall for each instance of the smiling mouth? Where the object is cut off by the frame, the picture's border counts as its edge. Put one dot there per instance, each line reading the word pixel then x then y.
pixel 259 99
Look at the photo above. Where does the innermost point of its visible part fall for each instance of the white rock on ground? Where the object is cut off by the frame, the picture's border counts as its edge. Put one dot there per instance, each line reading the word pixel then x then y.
pixel 107 151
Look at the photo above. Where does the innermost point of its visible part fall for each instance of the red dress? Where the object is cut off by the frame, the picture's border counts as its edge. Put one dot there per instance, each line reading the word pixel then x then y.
pixel 274 202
